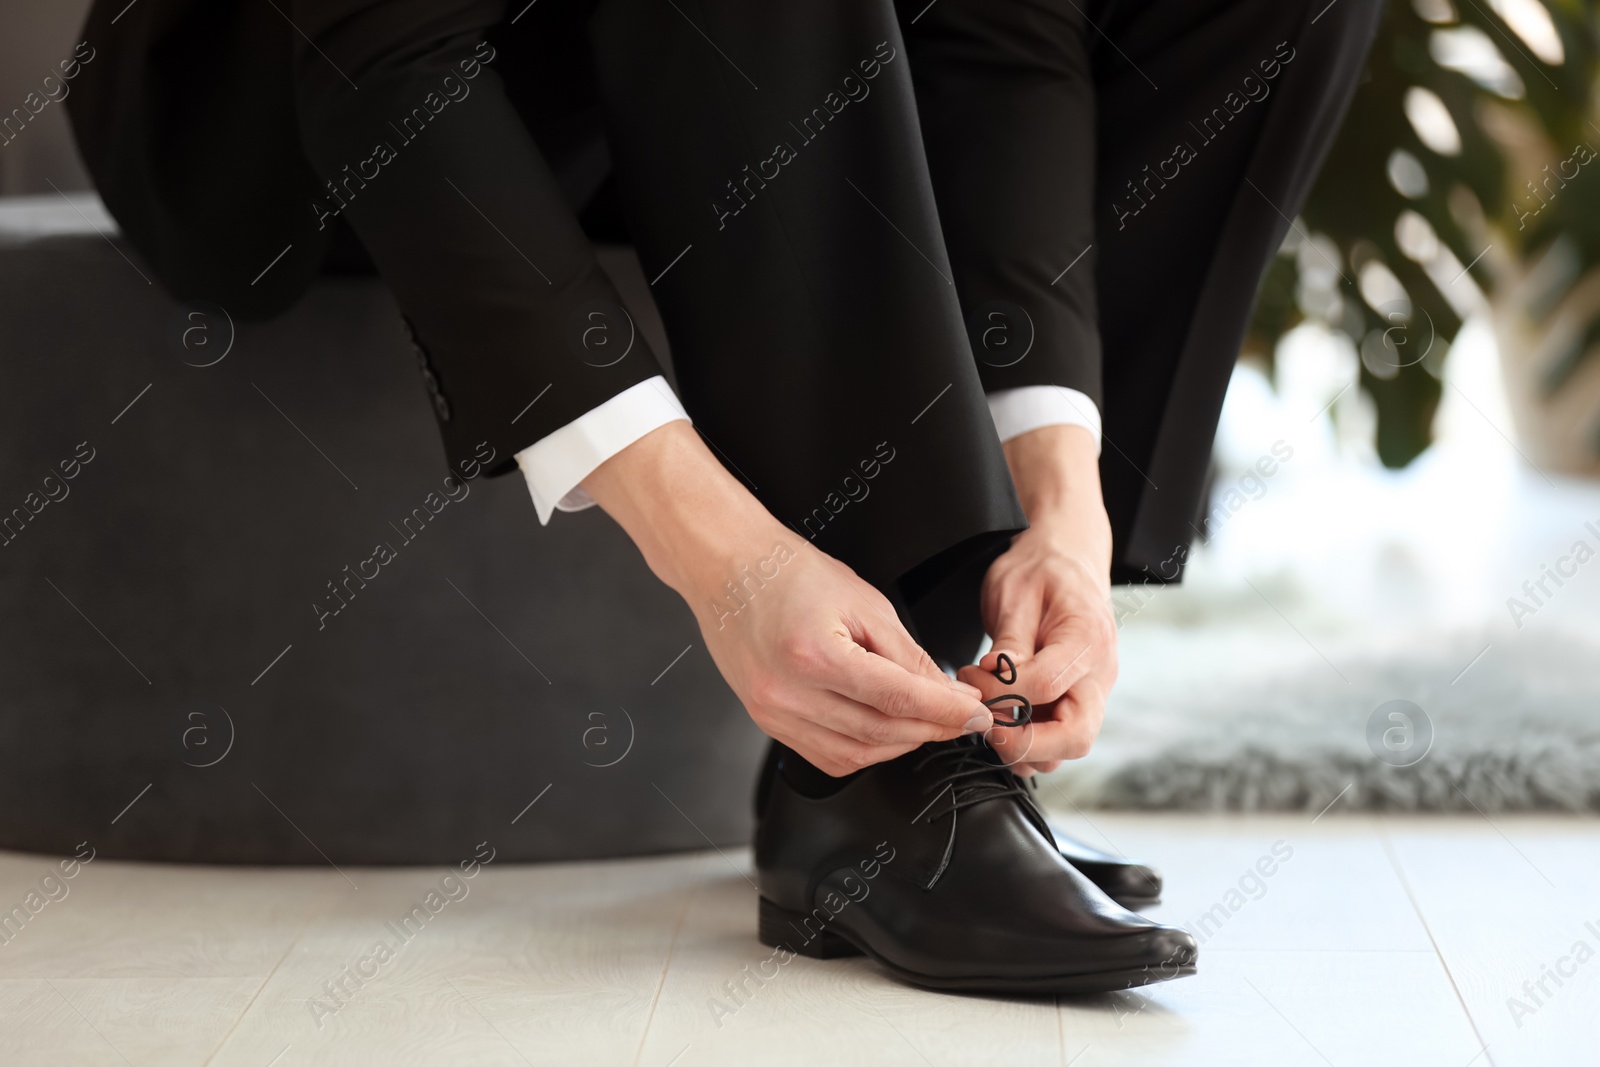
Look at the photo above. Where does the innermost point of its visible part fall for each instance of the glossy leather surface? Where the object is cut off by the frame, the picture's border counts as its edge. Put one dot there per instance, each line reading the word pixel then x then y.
pixel 1126 881
pixel 952 881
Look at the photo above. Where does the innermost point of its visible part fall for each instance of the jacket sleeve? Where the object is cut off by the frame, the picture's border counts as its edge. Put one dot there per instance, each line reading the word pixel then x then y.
pixel 515 328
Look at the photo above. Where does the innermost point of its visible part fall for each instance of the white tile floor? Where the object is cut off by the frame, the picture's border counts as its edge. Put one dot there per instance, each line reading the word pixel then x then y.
pixel 1376 941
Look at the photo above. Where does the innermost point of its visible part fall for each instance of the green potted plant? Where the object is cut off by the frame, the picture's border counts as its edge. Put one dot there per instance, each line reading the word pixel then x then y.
pixel 1465 179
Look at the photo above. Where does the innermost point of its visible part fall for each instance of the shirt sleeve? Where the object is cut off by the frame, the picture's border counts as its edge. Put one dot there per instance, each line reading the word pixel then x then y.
pixel 555 464
pixel 1029 407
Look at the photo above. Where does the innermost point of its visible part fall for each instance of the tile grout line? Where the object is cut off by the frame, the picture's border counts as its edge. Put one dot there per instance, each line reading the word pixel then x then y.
pixel 1061 1026
pixel 1386 952
pixel 666 966
pixel 254 997
pixel 1405 884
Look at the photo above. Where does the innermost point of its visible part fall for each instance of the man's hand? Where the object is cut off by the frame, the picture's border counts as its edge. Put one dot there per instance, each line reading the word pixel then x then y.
pixel 822 663
pixel 817 656
pixel 1046 600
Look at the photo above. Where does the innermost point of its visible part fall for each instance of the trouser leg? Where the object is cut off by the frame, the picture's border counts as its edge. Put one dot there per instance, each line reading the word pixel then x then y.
pixel 1119 175
pixel 1213 120
pixel 1047 138
pixel 772 167
pixel 818 316
pixel 1006 100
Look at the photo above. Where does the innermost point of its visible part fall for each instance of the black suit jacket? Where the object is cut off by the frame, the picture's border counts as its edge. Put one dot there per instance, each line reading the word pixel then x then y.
pixel 231 144
pixel 230 139
pixel 831 199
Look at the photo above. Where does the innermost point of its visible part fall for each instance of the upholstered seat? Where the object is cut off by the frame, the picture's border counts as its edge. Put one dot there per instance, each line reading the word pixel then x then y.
pixel 173 684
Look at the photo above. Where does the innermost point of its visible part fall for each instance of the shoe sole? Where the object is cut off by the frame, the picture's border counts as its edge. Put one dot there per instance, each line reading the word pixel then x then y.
pixel 777 927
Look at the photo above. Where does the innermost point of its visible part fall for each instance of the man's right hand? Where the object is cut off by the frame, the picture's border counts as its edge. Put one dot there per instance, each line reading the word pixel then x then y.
pixel 823 665
pixel 817 656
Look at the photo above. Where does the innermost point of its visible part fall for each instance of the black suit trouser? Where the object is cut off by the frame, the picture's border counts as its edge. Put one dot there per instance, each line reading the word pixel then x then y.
pixel 858 219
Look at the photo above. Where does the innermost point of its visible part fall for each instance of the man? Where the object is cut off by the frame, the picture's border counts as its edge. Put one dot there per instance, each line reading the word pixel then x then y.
pixel 918 265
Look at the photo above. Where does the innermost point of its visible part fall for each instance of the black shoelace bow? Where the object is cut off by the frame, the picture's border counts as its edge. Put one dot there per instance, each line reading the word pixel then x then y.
pixel 969 774
pixel 1022 714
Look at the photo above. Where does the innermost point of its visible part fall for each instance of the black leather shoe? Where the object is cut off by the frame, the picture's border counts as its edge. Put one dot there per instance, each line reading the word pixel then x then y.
pixel 1133 885
pixel 940 867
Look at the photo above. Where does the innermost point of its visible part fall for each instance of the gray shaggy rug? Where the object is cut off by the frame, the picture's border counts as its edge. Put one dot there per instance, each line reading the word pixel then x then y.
pixel 1334 587
pixel 1237 720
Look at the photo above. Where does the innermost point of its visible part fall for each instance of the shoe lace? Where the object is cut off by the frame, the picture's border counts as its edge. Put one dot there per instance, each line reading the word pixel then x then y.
pixel 967 771
pixel 1022 713
pixel 969 776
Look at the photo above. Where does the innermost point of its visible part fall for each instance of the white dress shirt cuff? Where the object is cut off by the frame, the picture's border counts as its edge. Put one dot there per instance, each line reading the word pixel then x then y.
pixel 1016 411
pixel 555 464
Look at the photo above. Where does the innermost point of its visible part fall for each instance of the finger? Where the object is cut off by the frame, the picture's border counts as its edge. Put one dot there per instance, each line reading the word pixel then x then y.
pixel 1042 742
pixel 831 752
pixel 870 727
pixel 1028 770
pixel 1013 744
pixel 983 682
pixel 1016 631
pixel 967 688
pixel 1067 736
pixel 888 638
pixel 1059 665
pixel 879 683
pixel 886 635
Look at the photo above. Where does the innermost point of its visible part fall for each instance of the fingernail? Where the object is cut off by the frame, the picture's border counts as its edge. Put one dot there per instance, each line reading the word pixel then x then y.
pixel 979 723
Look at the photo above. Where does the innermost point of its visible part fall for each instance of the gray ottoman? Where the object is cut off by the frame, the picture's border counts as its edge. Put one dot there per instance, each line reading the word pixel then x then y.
pixel 183 506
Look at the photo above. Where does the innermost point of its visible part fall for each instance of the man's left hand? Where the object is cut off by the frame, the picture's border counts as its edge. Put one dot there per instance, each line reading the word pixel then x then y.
pixel 1047 601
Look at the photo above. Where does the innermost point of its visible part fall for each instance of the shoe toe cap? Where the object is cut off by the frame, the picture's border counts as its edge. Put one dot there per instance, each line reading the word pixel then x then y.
pixel 1174 947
